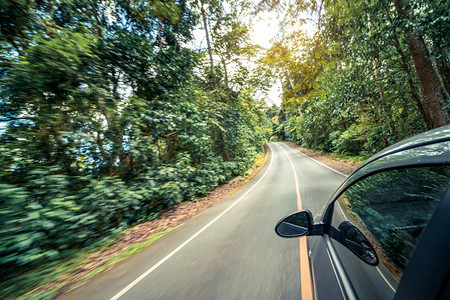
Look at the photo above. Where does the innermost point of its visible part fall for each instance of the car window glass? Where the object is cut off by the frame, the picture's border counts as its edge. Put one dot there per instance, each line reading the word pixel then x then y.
pixel 392 209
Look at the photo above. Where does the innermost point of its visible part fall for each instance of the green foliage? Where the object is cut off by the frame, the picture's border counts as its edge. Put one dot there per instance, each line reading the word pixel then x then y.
pixel 351 86
pixel 109 119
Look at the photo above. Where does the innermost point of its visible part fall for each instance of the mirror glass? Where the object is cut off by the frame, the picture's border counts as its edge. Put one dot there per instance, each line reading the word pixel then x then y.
pixel 295 225
pixel 360 245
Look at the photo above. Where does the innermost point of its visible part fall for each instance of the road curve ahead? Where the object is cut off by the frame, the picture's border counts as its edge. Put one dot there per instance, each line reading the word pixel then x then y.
pixel 231 250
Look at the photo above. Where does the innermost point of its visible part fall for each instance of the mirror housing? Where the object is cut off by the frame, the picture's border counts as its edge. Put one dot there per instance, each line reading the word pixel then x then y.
pixel 294 225
pixel 352 238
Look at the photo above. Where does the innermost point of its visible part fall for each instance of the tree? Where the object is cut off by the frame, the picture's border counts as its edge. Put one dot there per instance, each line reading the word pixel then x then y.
pixel 109 119
pixel 353 86
pixel 429 83
pixel 207 35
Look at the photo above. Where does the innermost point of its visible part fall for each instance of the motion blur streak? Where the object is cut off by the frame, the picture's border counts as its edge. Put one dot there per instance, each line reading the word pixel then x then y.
pixel 137 280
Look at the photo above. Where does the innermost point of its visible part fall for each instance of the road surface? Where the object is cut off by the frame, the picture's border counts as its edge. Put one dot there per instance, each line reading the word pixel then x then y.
pixel 231 250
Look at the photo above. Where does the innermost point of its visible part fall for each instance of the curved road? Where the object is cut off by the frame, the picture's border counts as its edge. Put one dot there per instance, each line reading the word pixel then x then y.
pixel 230 251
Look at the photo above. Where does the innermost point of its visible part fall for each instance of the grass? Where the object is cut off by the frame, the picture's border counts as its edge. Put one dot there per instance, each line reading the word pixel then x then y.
pixel 59 275
pixel 346 158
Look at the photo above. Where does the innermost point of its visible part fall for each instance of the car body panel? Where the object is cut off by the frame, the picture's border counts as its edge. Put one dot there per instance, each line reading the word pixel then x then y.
pixel 325 279
pixel 437 135
pixel 422 279
pixel 430 154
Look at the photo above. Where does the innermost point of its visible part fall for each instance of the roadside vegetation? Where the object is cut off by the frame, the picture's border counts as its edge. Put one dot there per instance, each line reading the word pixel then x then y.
pixel 360 75
pixel 62 276
pixel 109 114
pixel 109 117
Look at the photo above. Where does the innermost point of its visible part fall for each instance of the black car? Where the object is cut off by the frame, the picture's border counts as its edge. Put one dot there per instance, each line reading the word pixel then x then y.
pixel 385 233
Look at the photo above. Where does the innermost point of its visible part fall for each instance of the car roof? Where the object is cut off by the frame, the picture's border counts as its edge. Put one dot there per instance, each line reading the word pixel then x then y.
pixel 428 148
pixel 437 135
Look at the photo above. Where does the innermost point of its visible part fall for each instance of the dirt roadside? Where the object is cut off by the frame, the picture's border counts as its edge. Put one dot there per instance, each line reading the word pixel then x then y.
pixel 343 166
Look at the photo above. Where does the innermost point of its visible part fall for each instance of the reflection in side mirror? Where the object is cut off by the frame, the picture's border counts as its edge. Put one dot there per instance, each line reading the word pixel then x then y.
pixel 295 225
pixel 355 240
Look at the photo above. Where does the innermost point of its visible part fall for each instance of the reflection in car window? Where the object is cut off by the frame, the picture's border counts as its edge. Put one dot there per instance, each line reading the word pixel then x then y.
pixel 392 208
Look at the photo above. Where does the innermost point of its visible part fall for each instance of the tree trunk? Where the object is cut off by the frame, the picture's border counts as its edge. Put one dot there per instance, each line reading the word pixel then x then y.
pixel 205 24
pixel 160 32
pixel 428 80
pixel 380 84
pixel 406 66
pixel 387 109
pixel 225 71
pixel 414 93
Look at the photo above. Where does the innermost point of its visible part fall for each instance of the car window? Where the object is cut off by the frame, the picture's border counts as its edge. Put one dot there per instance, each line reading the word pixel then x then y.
pixel 392 209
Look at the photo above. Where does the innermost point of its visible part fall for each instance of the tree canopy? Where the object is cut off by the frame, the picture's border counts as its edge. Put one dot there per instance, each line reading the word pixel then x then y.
pixel 370 74
pixel 110 118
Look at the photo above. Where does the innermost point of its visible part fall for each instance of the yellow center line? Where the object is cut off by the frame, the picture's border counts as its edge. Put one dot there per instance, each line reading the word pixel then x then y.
pixel 305 275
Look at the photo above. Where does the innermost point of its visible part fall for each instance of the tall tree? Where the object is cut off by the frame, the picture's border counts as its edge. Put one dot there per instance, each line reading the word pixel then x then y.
pixel 353 85
pixel 207 35
pixel 433 96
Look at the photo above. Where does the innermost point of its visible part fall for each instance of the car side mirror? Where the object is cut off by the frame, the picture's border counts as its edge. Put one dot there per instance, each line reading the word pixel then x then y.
pixel 356 241
pixel 295 225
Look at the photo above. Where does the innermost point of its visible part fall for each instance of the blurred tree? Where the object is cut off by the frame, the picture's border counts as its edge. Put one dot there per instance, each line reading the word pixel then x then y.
pixel 110 118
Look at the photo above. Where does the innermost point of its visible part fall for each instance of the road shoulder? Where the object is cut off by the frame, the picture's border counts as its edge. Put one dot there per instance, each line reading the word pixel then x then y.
pixel 346 167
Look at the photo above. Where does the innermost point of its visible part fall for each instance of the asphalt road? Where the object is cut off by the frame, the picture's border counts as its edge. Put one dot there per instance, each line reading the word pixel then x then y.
pixel 231 250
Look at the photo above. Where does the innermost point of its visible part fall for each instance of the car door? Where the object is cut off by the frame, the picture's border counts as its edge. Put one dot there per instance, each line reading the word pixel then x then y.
pixel 391 208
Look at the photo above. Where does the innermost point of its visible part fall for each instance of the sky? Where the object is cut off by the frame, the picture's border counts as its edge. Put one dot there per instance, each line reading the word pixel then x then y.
pixel 265 28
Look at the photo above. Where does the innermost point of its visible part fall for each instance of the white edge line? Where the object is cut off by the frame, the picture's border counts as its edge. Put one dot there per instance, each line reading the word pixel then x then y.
pixel 378 269
pixel 168 256
pixel 318 162
pixel 342 211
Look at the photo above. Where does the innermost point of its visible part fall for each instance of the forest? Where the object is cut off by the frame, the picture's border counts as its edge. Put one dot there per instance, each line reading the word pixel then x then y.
pixel 371 74
pixel 109 115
